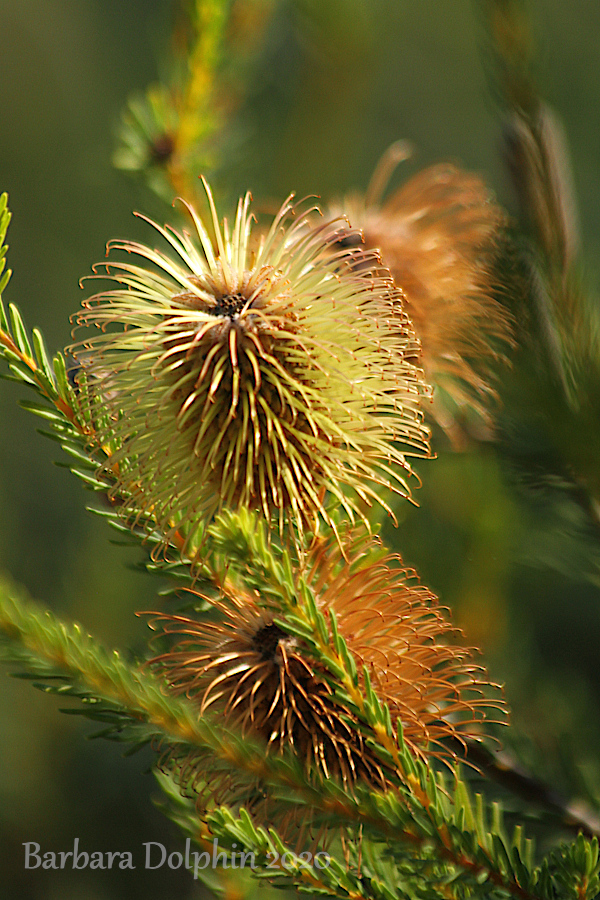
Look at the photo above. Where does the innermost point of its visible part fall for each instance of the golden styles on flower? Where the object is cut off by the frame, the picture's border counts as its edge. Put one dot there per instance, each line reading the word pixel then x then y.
pixel 252 372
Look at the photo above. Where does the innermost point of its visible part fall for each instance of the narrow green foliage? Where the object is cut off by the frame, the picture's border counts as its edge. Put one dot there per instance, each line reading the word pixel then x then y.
pixel 558 367
pixel 29 363
pixel 5 216
pixel 68 661
pixel 56 400
pixel 59 368
pixel 18 330
pixel 175 130
pixel 575 869
pixel 71 425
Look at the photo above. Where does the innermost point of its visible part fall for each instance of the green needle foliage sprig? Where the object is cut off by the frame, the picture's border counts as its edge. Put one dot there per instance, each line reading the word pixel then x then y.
pixel 183 125
pixel 28 358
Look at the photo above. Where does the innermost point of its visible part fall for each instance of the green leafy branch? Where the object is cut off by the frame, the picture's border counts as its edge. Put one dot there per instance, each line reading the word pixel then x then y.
pixel 174 132
pixel 29 363
pixel 70 422
pixel 27 358
pixel 5 217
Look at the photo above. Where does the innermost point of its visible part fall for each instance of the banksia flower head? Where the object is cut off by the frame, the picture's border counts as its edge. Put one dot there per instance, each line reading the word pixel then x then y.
pixel 244 667
pixel 256 376
pixel 439 235
pixel 395 628
pixel 253 675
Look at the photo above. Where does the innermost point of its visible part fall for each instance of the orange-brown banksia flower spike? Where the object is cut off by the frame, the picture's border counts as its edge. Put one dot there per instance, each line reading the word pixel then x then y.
pixel 394 626
pixel 244 667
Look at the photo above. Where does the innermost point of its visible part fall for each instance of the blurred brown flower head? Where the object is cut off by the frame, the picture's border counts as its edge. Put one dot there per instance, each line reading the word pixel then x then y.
pixel 439 235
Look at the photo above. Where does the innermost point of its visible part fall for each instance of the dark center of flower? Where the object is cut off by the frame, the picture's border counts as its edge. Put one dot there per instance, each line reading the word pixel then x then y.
pixel 266 640
pixel 229 305
pixel 161 150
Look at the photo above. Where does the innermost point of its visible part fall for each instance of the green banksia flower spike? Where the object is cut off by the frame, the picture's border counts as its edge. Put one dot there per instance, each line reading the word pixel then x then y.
pixel 253 374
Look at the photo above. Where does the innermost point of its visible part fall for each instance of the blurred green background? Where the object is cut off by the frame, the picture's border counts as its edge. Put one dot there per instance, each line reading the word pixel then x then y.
pixel 336 83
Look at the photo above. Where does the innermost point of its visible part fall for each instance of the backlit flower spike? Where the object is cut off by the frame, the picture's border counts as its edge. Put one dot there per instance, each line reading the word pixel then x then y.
pixel 417 660
pixel 252 373
pixel 245 668
pixel 439 235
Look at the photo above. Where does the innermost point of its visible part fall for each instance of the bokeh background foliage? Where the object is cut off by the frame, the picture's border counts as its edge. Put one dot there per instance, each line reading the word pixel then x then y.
pixel 513 552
